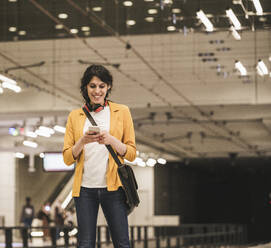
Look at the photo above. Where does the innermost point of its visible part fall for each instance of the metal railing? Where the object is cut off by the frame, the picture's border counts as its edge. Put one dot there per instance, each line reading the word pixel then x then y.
pixel 186 235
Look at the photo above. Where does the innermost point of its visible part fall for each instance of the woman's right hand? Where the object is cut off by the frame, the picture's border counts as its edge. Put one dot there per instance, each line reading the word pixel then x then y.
pixel 90 137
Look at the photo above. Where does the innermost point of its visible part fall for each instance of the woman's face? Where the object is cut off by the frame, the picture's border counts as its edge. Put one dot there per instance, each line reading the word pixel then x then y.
pixel 97 90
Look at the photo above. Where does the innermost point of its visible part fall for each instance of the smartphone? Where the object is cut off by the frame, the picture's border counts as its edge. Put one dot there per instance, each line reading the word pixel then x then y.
pixel 95 129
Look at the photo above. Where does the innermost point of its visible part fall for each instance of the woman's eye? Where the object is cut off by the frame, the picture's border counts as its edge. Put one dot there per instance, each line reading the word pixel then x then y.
pixel 102 86
pixel 92 86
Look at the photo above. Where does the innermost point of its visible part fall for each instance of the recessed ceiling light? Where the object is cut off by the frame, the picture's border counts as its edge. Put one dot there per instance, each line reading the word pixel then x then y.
pixel 152 11
pixel 63 16
pixel 12 29
pixel 74 30
pixel 167 1
pixel 149 19
pixel 58 26
pixel 97 8
pixel 130 22
pixel 85 28
pixel 12 1
pixel 128 3
pixel 176 11
pixel 171 28
pixel 22 32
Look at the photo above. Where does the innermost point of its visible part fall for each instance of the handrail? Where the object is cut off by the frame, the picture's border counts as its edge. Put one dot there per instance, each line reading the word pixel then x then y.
pixel 161 236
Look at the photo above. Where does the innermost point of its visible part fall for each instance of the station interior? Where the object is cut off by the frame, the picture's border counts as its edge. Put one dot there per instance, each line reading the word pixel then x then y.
pixel 196 76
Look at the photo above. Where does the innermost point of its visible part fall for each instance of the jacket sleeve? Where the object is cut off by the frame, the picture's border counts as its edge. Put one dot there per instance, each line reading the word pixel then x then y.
pixel 129 136
pixel 69 142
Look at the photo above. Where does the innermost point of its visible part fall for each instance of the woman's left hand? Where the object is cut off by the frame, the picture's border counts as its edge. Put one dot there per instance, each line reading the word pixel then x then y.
pixel 105 138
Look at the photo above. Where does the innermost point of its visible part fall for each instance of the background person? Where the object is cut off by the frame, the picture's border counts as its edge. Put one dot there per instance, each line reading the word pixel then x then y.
pixel 96 181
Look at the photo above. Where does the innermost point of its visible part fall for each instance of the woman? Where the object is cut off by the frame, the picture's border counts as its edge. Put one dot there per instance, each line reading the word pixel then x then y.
pixel 96 181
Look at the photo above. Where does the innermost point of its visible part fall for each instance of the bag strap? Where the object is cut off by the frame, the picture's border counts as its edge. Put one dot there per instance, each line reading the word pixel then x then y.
pixel 109 147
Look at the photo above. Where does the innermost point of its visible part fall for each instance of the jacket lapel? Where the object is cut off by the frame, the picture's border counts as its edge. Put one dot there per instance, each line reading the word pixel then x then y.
pixel 113 116
pixel 81 122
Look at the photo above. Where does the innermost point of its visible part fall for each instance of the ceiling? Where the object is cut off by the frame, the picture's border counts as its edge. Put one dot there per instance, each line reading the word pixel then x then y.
pixel 185 95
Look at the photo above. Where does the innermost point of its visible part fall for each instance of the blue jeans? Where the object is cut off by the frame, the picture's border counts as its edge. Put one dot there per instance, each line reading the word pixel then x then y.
pixel 114 209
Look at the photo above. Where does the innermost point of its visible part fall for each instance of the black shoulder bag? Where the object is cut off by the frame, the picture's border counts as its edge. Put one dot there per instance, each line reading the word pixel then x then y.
pixel 126 175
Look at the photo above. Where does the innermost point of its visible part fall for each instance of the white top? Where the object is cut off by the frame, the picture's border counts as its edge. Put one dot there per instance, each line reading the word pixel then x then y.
pixel 96 155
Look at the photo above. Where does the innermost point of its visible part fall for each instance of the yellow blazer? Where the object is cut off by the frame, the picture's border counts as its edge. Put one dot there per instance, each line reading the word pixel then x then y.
pixel 121 127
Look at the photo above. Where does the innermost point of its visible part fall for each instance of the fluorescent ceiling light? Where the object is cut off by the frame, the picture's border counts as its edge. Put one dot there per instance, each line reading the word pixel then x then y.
pixel 6 79
pixel 128 3
pixel 233 19
pixel 97 8
pixel 149 19
pixel 171 28
pixel 141 163
pixel 258 7
pixel 19 155
pixel 60 129
pixel 239 66
pixel 161 161
pixel 85 28
pixel 151 162
pixel 22 32
pixel 74 31
pixel 12 29
pixel 261 68
pixel 152 11
pixel 30 143
pixel 42 133
pixel 130 22
pixel 62 16
pixel 204 19
pixel 59 26
pixel 235 34
pixel 31 134
pixel 11 86
pixel 176 11
pixel 67 201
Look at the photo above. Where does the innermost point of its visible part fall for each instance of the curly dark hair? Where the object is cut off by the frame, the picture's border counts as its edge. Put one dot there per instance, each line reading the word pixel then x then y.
pixel 99 71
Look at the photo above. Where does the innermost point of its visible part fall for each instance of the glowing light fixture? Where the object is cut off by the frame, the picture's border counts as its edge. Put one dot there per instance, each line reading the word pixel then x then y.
pixel 19 155
pixel 239 66
pixel 204 19
pixel 258 7
pixel 22 32
pixel 85 28
pixel 74 31
pixel 97 9
pixel 59 129
pixel 12 29
pixel 161 161
pixel 171 28
pixel 11 86
pixel 6 79
pixel 62 16
pixel 230 14
pixel 59 26
pixel 42 155
pixel 261 68
pixel 234 33
pixel 30 143
pixel 152 11
pixel 31 134
pixel 149 19
pixel 67 200
pixel 128 3
pixel 151 162
pixel 176 11
pixel 130 22
pixel 1 90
